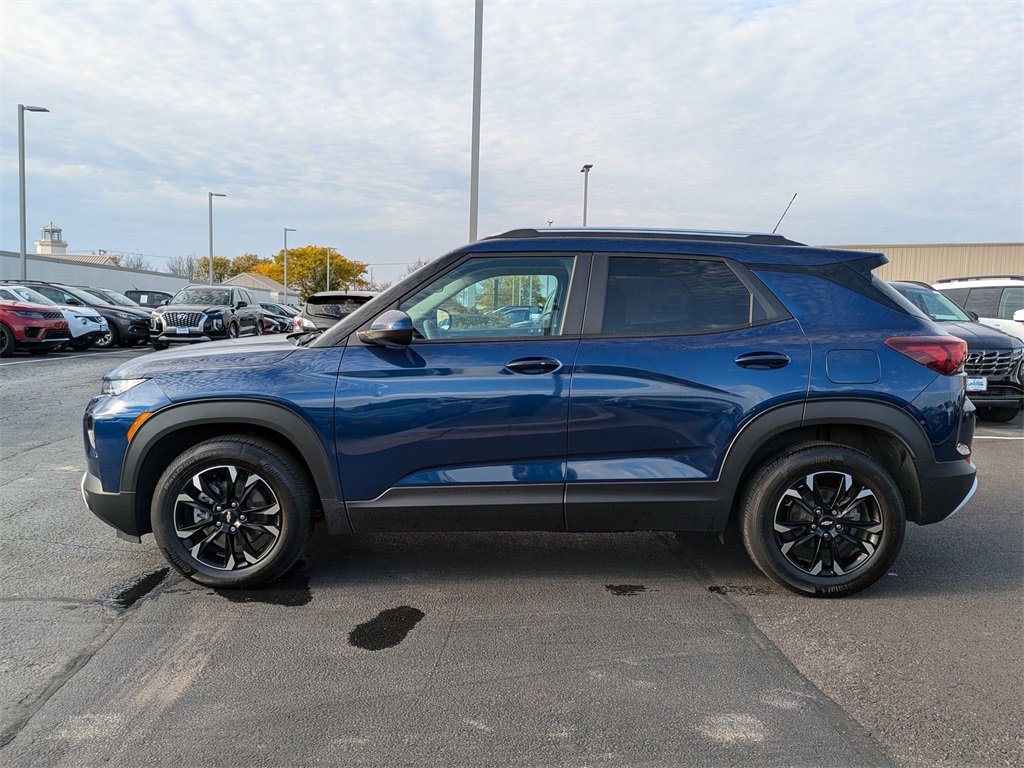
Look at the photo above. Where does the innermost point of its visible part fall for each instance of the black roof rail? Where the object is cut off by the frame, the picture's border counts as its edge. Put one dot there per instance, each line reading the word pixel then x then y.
pixel 756 238
pixel 980 277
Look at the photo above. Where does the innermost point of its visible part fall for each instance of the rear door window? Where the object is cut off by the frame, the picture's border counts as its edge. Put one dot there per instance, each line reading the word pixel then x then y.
pixel 668 295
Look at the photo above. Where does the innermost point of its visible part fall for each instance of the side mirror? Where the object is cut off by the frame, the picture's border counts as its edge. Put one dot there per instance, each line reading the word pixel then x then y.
pixel 241 304
pixel 972 315
pixel 1019 316
pixel 165 302
pixel 391 329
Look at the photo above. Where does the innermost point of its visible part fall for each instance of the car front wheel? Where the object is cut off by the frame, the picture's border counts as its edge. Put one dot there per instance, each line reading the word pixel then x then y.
pixel 998 413
pixel 232 331
pixel 6 341
pixel 233 512
pixel 111 338
pixel 822 520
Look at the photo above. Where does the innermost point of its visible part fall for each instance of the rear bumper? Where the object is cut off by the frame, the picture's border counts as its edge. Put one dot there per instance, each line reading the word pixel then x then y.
pixel 945 489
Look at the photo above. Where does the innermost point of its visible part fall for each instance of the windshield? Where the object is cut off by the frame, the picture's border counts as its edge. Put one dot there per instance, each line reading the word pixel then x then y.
pixel 204 296
pixel 112 297
pixel 22 293
pixel 934 304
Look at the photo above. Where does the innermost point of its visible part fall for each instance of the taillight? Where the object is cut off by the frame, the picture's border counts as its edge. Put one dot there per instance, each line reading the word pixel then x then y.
pixel 942 354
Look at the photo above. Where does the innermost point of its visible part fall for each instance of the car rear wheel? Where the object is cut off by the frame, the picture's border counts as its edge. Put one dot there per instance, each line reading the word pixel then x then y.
pixel 998 413
pixel 822 520
pixel 258 328
pixel 233 512
pixel 110 339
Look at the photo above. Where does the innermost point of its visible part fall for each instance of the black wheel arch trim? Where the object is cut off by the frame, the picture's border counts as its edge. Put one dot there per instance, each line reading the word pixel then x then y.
pixel 239 414
pixel 834 412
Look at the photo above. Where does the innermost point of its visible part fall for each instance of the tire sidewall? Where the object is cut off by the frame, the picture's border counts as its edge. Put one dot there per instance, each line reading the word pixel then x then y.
pixel 765 492
pixel 277 469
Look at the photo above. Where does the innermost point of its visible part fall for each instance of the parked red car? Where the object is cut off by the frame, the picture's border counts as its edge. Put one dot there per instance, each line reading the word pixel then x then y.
pixel 34 327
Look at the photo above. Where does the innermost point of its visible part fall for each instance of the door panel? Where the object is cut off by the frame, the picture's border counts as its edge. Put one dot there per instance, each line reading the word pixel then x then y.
pixel 465 428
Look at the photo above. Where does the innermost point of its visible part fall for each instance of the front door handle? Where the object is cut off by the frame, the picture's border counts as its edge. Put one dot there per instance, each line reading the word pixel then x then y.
pixel 532 366
pixel 762 361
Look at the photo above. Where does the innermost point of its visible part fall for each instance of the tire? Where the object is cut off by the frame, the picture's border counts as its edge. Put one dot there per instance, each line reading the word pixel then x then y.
pixel 998 413
pixel 232 331
pixel 822 520
pixel 200 510
pixel 80 346
pixel 110 339
pixel 258 328
pixel 6 341
pixel 159 345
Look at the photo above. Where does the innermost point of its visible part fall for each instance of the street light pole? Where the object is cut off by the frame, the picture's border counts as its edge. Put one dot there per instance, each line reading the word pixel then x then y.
pixel 22 109
pixel 585 170
pixel 286 231
pixel 212 195
pixel 329 249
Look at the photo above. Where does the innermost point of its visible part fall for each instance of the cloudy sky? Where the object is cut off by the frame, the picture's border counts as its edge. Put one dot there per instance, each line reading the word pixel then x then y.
pixel 895 122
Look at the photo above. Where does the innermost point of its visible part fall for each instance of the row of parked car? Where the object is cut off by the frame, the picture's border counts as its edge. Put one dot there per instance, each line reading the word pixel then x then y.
pixel 40 316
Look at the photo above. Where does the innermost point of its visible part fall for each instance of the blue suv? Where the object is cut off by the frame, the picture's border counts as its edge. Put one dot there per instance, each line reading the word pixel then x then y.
pixel 670 380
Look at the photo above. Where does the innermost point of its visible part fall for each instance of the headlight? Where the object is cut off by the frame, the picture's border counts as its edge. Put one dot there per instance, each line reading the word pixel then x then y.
pixel 27 313
pixel 118 386
pixel 126 316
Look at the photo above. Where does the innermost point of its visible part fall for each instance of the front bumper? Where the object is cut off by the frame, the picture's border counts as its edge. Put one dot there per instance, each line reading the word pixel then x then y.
pixel 115 509
pixel 183 338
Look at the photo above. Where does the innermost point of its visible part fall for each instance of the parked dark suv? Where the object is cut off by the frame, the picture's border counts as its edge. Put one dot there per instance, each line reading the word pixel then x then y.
pixel 995 360
pixel 204 313
pixel 672 381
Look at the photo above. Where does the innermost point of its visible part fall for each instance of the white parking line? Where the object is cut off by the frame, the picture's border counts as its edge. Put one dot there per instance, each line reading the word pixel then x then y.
pixel 997 437
pixel 48 359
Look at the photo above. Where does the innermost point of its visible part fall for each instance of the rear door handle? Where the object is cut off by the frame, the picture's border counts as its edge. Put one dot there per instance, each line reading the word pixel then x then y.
pixel 762 361
pixel 532 366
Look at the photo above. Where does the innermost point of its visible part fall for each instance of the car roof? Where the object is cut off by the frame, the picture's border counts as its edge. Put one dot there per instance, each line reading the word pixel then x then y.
pixel 751 248
pixel 981 281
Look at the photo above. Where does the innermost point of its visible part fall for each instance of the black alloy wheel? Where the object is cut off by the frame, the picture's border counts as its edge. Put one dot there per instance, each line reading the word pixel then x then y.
pixel 998 413
pixel 6 341
pixel 233 512
pixel 823 520
pixel 232 331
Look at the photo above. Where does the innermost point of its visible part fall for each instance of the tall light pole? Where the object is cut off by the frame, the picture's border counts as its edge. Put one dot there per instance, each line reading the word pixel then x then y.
pixel 474 162
pixel 585 170
pixel 212 195
pixel 329 249
pixel 286 231
pixel 22 109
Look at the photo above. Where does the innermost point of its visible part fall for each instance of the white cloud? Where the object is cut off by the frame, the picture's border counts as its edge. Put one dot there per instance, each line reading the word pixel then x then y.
pixel 896 122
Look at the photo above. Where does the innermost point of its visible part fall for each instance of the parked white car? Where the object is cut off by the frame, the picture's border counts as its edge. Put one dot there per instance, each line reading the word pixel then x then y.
pixel 84 324
pixel 997 300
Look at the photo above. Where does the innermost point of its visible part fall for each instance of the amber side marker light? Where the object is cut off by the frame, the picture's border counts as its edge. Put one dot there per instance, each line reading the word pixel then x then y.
pixel 139 421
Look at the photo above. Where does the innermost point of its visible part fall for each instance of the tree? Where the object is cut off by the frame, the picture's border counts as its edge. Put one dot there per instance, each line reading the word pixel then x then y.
pixel 307 270
pixel 131 261
pixel 247 262
pixel 183 266
pixel 221 269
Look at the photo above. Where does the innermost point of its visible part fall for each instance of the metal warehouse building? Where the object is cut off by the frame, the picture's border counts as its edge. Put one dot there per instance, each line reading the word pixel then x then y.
pixel 928 263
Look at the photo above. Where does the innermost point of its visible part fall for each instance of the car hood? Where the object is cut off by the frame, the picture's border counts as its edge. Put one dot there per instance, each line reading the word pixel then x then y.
pixel 224 355
pixel 204 308
pixel 980 336
pixel 137 311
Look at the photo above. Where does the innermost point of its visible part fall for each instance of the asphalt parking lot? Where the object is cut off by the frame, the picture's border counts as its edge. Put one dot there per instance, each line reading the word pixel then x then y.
pixel 491 649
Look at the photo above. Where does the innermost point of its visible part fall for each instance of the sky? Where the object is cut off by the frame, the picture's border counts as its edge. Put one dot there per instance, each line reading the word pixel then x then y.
pixel 351 122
